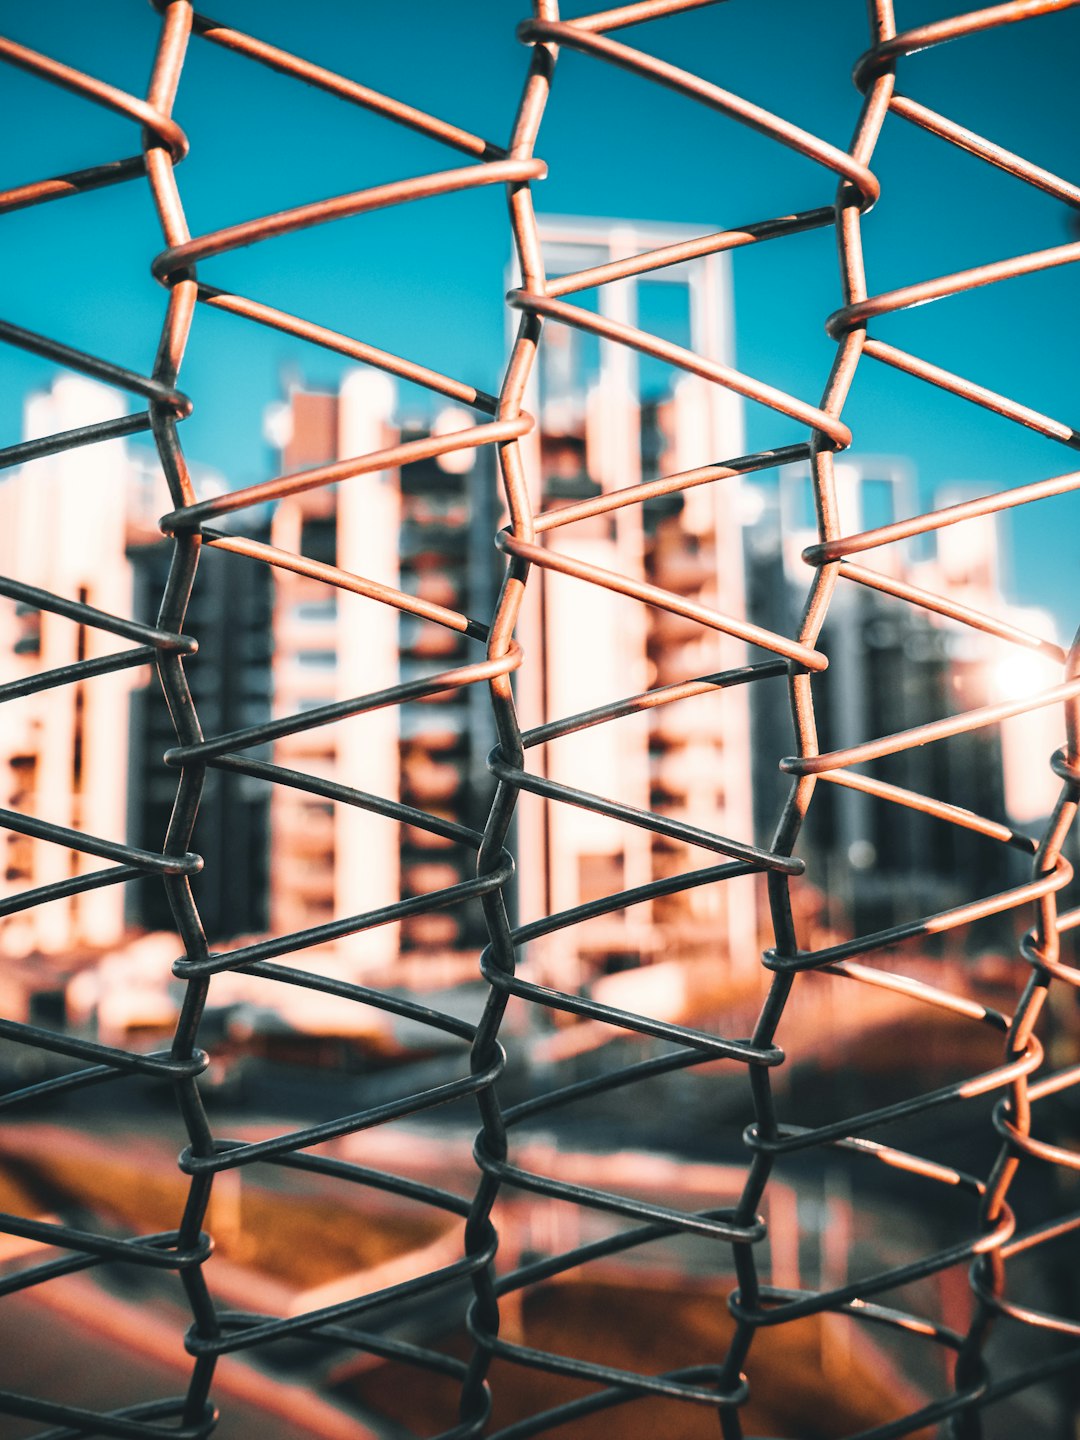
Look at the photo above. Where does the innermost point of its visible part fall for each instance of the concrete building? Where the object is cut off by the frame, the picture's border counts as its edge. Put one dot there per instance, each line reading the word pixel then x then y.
pixel 229 679
pixel 63 752
pixel 610 418
pixel 893 666
pixel 415 528
pixel 274 641
pixel 969 563
pixel 82 524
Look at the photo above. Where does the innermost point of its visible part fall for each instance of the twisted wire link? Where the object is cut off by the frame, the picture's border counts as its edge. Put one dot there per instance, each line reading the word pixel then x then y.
pixel 986 1232
pixel 991 1236
pixel 214 1332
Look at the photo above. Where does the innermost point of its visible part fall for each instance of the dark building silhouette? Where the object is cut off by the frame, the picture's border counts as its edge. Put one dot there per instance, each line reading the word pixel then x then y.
pixel 229 677
pixel 892 667
pixel 445 540
pixel 900 671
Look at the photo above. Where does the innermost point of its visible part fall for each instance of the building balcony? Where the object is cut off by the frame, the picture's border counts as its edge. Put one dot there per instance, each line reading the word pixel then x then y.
pixel 428 876
pixel 439 929
pixel 427 640
pixel 430 782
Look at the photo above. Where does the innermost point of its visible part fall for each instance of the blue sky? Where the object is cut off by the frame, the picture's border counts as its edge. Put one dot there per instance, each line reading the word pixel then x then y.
pixel 427 280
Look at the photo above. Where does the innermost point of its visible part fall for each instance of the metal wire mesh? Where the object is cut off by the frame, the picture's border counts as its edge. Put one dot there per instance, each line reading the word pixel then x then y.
pixel 988 1235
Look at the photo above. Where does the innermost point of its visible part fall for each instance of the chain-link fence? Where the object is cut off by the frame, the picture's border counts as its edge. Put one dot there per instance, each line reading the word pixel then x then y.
pixel 985 1234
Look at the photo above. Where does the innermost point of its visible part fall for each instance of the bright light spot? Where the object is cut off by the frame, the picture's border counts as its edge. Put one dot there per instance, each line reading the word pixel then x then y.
pixel 1022 675
pixel 369 393
pixel 448 422
pixel 278 425
pixel 751 504
pixel 208 486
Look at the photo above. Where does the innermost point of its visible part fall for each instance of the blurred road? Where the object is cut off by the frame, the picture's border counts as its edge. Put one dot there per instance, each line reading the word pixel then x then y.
pixel 73 1343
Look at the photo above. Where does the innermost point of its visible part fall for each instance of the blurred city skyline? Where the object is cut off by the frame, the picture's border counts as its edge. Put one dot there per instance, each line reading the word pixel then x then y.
pixel 251 155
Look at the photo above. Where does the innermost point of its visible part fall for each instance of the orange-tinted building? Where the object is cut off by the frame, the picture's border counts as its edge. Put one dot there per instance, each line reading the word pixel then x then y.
pixel 609 419
pixel 64 526
pixel 416 529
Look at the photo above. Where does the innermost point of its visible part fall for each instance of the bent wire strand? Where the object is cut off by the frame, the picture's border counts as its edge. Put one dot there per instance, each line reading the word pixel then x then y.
pixel 986 1234
pixel 990 1222
pixel 214 1332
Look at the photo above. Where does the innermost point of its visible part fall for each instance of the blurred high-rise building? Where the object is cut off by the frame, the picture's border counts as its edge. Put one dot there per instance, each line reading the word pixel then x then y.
pixel 606 420
pixel 82 526
pixel 63 751
pixel 610 418
pixel 281 640
pixel 415 528
pixel 229 679
pixel 894 666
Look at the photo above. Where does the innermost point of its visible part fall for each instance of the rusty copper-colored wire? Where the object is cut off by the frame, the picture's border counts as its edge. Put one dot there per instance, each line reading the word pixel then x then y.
pixel 989 1239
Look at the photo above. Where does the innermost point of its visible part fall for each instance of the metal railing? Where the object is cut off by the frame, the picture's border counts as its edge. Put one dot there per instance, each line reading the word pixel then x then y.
pixel 991 1236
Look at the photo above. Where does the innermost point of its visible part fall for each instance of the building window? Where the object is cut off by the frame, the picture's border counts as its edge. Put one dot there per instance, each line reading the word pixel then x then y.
pixel 314 612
